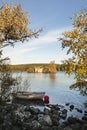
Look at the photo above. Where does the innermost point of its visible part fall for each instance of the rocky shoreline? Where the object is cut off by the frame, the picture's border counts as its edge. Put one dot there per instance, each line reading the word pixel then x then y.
pixel 50 117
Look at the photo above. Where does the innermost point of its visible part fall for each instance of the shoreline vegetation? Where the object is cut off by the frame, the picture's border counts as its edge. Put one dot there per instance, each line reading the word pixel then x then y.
pixel 36 68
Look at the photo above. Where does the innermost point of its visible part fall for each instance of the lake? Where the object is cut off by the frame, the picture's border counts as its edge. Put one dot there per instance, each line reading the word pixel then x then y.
pixel 56 86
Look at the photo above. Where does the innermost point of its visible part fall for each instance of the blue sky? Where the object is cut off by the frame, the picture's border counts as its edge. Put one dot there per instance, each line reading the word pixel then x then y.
pixel 54 17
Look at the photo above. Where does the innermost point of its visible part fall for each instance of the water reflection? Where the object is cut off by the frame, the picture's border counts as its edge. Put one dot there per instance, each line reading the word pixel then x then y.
pixel 80 86
pixel 52 76
pixel 54 85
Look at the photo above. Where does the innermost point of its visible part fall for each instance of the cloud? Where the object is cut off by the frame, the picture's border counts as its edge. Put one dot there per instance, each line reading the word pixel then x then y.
pixel 50 37
pixel 20 52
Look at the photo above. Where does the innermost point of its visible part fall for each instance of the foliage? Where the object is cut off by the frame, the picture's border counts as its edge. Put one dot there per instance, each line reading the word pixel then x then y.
pixel 46 69
pixel 31 67
pixel 14 27
pixel 30 70
pixel 6 80
pixel 76 42
pixel 52 67
pixel 80 86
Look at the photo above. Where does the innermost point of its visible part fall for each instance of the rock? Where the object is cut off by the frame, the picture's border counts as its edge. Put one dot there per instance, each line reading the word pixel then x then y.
pixel 67 128
pixel 75 126
pixel 22 117
pixel 63 116
pixel 85 111
pixel 34 110
pixel 45 120
pixel 67 104
pixel 84 118
pixel 0 127
pixel 1 108
pixel 26 126
pixel 17 119
pixel 35 125
pixel 9 107
pixel 64 111
pixel 85 114
pixel 79 110
pixel 47 111
pixel 7 125
pixel 16 128
pixel 61 126
pixel 45 128
pixel 8 117
pixel 71 107
pixel 83 122
pixel 55 119
pixel 27 108
pixel 56 107
pixel 1 118
pixel 72 120
pixel 27 115
pixel 55 128
pixel 84 127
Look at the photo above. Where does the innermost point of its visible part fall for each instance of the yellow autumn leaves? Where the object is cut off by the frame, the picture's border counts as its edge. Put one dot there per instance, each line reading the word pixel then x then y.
pixel 76 41
pixel 13 23
pixel 73 34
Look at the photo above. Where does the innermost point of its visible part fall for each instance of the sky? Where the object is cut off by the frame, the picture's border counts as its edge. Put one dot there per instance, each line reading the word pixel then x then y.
pixel 54 17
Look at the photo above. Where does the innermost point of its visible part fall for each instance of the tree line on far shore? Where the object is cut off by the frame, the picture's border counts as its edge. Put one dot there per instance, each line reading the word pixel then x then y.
pixel 47 68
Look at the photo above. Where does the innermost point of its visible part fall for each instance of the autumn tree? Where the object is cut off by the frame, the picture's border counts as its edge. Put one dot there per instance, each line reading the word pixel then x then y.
pixel 14 27
pixel 52 67
pixel 76 43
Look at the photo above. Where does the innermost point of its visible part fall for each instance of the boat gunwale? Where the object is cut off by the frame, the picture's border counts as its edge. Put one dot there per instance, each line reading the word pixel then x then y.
pixel 29 95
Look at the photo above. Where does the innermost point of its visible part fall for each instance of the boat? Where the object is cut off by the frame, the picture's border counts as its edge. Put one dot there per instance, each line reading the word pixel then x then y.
pixel 28 95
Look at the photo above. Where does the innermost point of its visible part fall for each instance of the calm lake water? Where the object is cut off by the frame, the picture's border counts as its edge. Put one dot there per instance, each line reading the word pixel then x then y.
pixel 54 85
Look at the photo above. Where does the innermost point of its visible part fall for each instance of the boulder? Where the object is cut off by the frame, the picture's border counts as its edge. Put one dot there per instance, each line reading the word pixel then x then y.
pixel 76 126
pixel 35 125
pixel 67 128
pixel 67 104
pixel 84 127
pixel 1 118
pixel 64 111
pixel 34 110
pixel 7 125
pixel 79 110
pixel 45 120
pixel 47 110
pixel 63 116
pixel 72 120
pixel 55 119
pixel 71 107
pixel 16 128
pixel 84 118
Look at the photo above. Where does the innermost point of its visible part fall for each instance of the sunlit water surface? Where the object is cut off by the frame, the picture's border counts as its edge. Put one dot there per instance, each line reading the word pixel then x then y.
pixel 56 86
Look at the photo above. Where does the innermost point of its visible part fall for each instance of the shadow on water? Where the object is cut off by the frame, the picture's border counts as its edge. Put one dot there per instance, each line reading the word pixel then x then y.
pixel 82 88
